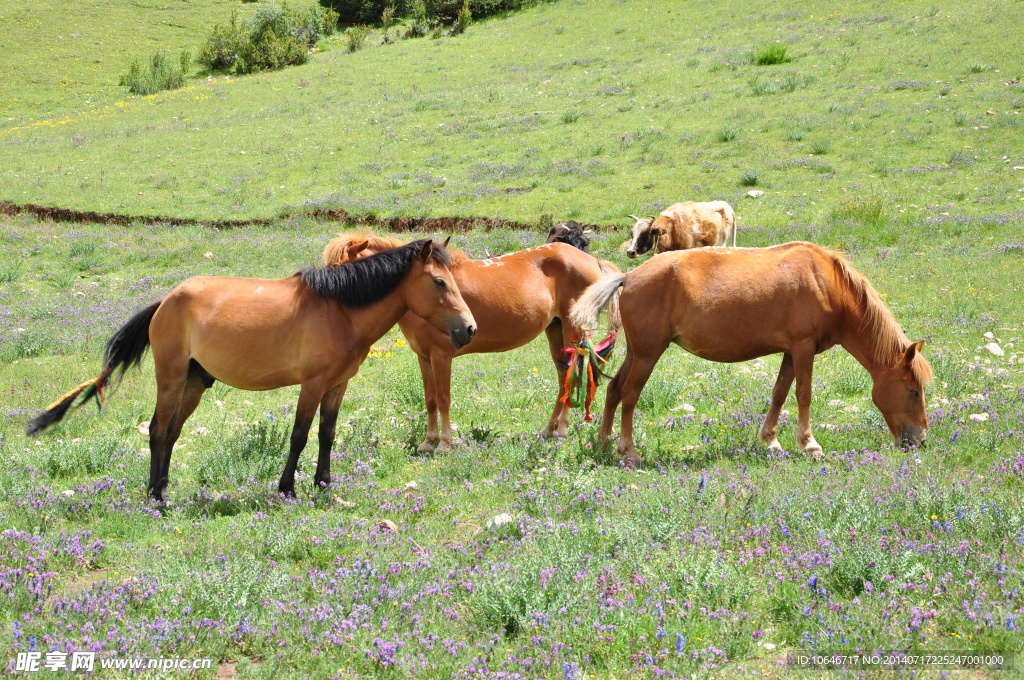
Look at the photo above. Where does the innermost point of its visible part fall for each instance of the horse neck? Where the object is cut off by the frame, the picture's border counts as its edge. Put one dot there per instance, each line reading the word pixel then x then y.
pixel 861 341
pixel 370 322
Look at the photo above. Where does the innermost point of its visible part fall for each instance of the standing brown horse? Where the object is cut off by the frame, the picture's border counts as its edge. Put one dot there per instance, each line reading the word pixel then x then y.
pixel 738 304
pixel 513 298
pixel 313 329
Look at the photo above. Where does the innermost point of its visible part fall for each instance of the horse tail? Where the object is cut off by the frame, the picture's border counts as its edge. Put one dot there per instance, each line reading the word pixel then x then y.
pixel 588 308
pixel 124 350
pixel 614 314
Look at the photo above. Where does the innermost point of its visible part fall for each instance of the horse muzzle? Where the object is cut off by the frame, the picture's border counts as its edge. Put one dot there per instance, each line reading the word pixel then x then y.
pixel 913 436
pixel 461 336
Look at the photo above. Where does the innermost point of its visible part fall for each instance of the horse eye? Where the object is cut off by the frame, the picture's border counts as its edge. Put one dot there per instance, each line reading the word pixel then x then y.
pixel 439 283
pixel 915 394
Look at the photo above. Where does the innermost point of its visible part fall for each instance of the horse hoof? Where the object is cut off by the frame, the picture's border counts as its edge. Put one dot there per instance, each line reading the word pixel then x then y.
pixel 774 445
pixel 443 447
pixel 426 448
pixel 814 451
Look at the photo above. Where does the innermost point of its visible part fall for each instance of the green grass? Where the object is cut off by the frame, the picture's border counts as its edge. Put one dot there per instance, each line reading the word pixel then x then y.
pixel 582 526
pixel 330 133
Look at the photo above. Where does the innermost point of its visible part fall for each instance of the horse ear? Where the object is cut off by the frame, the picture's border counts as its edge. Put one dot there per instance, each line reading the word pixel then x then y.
pixel 354 249
pixel 913 351
pixel 447 241
pixel 426 250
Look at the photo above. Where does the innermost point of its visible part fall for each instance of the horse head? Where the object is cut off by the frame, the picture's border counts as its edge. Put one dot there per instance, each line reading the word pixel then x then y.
pixel 433 294
pixel 645 236
pixel 899 394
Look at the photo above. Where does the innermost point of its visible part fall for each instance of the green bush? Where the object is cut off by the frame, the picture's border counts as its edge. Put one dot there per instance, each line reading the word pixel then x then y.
pixel 160 74
pixel 772 53
pixel 356 36
pixel 274 37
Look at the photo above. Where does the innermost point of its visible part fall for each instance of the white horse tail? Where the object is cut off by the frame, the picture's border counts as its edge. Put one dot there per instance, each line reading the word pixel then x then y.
pixel 614 315
pixel 585 312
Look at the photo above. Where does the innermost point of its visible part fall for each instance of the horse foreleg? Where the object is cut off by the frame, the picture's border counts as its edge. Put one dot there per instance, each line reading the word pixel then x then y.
pixel 558 424
pixel 329 406
pixel 430 398
pixel 639 372
pixel 613 395
pixel 442 366
pixel 769 430
pixel 309 399
pixel 803 365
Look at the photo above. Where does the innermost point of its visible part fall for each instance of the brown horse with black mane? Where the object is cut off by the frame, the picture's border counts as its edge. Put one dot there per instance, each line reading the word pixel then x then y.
pixel 513 298
pixel 313 329
pixel 738 304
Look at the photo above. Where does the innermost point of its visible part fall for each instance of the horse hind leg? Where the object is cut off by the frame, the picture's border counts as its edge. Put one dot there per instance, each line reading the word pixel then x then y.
pixel 769 429
pixel 639 371
pixel 558 424
pixel 196 384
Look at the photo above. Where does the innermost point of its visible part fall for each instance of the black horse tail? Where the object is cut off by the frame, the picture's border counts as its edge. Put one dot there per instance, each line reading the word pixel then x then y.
pixel 123 351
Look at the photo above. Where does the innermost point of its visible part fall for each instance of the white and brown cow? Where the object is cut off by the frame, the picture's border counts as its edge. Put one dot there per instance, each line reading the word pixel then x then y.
pixel 683 226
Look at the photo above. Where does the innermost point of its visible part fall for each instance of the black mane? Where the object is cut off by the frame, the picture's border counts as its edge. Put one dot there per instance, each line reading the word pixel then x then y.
pixel 371 279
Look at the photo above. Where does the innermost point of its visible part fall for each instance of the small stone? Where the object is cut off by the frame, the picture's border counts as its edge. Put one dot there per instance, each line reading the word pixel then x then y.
pixel 200 430
pixel 979 417
pixel 219 403
pixel 995 349
pixel 632 487
pixel 499 521
pixel 757 363
pixel 68 492
pixel 411 486
pixel 836 403
pixel 755 193
pixel 769 647
pixel 989 336
pixel 143 428
pixel 208 254
pixel 346 505
pixel 387 525
pixel 688 407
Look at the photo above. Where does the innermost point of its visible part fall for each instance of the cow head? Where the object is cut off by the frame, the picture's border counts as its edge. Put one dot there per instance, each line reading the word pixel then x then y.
pixel 570 233
pixel 645 236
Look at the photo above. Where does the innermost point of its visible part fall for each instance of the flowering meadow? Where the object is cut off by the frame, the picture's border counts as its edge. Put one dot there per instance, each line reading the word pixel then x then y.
pixel 715 559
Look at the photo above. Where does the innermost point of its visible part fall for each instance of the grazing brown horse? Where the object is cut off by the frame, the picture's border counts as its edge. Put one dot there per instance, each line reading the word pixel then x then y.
pixel 513 298
pixel 312 329
pixel 738 304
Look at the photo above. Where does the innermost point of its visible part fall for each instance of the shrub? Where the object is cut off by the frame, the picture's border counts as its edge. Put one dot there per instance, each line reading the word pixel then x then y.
pixel 572 116
pixel 160 74
pixel 727 133
pixel 820 147
pixel 770 54
pixel 463 19
pixel 750 178
pixel 272 38
pixel 356 36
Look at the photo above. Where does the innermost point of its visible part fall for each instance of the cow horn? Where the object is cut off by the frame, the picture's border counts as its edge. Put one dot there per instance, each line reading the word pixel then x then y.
pixel 634 217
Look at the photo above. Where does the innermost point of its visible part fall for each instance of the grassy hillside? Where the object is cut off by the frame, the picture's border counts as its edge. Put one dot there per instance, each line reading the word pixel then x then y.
pixel 63 58
pixel 584 110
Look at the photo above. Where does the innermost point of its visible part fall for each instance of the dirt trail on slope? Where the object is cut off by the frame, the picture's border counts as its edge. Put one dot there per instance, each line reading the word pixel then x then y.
pixel 394 224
